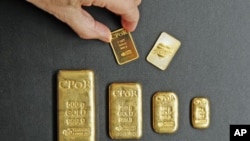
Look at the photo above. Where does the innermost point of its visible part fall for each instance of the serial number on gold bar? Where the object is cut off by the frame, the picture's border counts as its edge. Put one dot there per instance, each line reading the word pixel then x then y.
pixel 125 111
pixel 76 105
pixel 163 51
pixel 123 46
pixel 165 112
pixel 200 112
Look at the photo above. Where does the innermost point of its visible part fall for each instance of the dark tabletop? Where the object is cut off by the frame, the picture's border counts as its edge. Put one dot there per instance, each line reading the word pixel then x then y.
pixel 213 61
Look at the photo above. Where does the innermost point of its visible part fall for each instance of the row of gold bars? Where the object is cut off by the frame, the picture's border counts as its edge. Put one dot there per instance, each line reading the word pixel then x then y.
pixel 76 109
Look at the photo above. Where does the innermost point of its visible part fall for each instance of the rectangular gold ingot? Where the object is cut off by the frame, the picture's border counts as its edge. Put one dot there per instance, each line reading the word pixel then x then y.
pixel 123 46
pixel 125 111
pixel 200 112
pixel 165 112
pixel 76 105
pixel 163 51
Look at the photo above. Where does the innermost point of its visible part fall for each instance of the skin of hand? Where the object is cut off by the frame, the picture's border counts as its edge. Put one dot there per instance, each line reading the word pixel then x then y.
pixel 72 13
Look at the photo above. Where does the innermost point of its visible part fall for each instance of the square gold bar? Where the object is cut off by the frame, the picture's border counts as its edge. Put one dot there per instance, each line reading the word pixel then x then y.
pixel 123 46
pixel 200 112
pixel 125 111
pixel 163 51
pixel 76 105
pixel 165 112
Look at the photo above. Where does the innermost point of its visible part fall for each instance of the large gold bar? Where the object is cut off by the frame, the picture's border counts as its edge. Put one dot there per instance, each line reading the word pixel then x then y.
pixel 200 112
pixel 125 111
pixel 123 46
pixel 165 112
pixel 76 105
pixel 163 51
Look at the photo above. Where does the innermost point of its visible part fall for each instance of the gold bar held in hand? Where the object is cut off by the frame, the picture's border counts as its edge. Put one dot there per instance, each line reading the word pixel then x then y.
pixel 123 46
pixel 76 105
pixel 125 111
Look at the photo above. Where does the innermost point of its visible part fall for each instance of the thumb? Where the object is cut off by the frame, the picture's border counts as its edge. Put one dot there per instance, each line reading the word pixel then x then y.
pixel 87 27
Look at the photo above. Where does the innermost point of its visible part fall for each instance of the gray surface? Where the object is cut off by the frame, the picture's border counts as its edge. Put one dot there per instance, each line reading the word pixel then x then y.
pixel 213 61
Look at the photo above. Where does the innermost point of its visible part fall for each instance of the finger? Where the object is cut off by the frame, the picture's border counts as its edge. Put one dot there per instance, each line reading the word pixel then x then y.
pixel 87 27
pixel 138 2
pixel 128 11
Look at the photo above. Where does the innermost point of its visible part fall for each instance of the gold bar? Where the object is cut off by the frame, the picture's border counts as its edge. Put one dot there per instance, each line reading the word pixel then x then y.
pixel 76 105
pixel 163 51
pixel 125 111
pixel 165 112
pixel 123 46
pixel 200 112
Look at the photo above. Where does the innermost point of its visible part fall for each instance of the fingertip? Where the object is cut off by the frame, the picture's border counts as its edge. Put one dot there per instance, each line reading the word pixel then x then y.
pixel 129 26
pixel 104 33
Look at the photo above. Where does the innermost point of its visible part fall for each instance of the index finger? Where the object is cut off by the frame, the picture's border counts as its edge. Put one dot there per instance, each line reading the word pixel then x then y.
pixel 128 10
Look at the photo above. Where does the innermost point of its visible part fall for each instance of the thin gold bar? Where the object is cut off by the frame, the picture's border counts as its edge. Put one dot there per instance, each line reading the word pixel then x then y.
pixel 200 112
pixel 163 51
pixel 125 111
pixel 165 112
pixel 76 105
pixel 123 46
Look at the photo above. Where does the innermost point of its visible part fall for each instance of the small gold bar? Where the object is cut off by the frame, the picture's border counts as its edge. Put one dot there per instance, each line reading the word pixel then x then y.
pixel 123 46
pixel 165 112
pixel 76 105
pixel 200 112
pixel 125 111
pixel 163 51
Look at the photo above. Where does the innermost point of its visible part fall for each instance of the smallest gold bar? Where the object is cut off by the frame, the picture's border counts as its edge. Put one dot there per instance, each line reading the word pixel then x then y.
pixel 123 46
pixel 165 112
pixel 125 111
pixel 200 112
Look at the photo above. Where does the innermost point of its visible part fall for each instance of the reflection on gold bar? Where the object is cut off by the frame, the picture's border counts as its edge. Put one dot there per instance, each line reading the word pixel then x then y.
pixel 123 46
pixel 163 51
pixel 165 112
pixel 76 105
pixel 200 112
pixel 125 111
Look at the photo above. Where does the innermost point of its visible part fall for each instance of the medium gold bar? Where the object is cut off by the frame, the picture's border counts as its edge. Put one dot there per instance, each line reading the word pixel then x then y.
pixel 76 105
pixel 125 111
pixel 163 51
pixel 165 112
pixel 200 112
pixel 123 46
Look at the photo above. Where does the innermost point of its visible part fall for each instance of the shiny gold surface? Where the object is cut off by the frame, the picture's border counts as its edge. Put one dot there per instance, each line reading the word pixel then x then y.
pixel 125 111
pixel 200 112
pixel 76 105
pixel 165 112
pixel 123 46
pixel 163 51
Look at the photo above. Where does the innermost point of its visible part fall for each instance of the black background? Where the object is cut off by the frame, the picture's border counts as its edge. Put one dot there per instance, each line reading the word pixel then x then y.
pixel 213 61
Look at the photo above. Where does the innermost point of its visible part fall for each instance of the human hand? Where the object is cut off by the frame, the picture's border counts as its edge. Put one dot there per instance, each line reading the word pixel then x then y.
pixel 72 13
